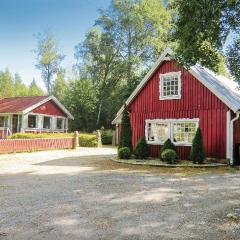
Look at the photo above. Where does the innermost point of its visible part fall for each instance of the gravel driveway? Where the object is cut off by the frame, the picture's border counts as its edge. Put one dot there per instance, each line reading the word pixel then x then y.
pixel 71 195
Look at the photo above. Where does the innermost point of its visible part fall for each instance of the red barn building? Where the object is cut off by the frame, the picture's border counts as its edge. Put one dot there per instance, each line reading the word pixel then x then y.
pixel 171 102
pixel 32 114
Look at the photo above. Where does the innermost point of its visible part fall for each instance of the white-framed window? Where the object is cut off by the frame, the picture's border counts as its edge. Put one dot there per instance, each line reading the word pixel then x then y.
pixel 60 123
pixel 180 131
pixel 3 121
pixel 46 122
pixel 157 131
pixel 170 85
pixel 32 121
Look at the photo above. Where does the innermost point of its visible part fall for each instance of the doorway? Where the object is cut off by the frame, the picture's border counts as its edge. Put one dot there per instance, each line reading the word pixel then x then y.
pixel 237 154
pixel 14 123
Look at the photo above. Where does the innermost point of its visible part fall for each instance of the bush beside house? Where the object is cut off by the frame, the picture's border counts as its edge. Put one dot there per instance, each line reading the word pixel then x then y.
pixel 125 143
pixel 167 145
pixel 197 154
pixel 142 149
pixel 126 130
pixel 124 153
pixel 169 155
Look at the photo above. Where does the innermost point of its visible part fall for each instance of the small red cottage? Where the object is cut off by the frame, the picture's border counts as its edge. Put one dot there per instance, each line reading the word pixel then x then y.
pixel 171 102
pixel 32 114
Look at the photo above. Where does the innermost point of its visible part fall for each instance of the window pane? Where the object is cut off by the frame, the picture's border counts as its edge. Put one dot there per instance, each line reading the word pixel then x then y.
pixel 3 121
pixel 169 85
pixel 32 121
pixel 184 131
pixel 59 123
pixel 46 122
pixel 157 132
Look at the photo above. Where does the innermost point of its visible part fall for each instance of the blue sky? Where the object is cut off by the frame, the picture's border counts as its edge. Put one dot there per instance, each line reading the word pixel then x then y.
pixel 22 20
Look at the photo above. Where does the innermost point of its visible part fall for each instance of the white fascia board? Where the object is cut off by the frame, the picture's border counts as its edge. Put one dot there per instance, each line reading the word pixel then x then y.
pixel 27 110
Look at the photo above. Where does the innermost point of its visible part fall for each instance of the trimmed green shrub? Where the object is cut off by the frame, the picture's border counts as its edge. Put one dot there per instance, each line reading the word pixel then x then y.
pixel 107 136
pixel 124 153
pixel 88 140
pixel 142 149
pixel 40 135
pixel 126 130
pixel 167 145
pixel 169 155
pixel 197 154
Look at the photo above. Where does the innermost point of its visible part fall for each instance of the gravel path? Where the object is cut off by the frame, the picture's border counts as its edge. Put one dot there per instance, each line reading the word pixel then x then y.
pixel 63 195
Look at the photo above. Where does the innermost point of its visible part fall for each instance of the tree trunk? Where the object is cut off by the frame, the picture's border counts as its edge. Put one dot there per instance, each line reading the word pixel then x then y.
pixel 99 112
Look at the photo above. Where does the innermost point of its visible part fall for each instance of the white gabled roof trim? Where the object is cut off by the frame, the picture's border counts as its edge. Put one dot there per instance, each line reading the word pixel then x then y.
pixel 27 110
pixel 225 89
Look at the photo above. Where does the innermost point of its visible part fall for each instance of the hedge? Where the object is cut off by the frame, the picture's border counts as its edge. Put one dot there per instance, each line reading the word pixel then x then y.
pixel 88 140
pixel 107 136
pixel 40 135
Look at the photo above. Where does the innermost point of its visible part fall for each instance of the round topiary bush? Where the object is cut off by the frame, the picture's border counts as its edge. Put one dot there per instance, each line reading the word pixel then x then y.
pixel 124 153
pixel 167 145
pixel 169 155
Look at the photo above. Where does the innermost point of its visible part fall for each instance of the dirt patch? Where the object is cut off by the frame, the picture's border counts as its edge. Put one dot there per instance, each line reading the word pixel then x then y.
pixel 109 165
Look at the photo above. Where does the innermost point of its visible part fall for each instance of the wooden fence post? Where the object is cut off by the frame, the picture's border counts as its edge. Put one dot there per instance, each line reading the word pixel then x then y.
pixel 99 138
pixel 76 140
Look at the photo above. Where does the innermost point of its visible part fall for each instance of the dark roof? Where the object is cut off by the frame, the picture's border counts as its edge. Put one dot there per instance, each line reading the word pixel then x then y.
pixel 18 104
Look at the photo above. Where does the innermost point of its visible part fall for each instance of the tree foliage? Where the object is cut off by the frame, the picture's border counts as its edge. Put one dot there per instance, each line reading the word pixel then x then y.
pixel 13 86
pixel 233 59
pixel 201 29
pixel 142 150
pixel 126 130
pixel 49 58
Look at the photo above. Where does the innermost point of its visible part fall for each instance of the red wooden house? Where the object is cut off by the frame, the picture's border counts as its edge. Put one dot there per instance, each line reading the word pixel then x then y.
pixel 171 102
pixel 32 114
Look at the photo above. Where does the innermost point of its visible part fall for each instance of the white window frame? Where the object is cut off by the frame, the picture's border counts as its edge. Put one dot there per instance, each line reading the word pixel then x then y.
pixel 172 74
pixel 170 123
pixel 62 127
pixel 51 121
pixel 35 115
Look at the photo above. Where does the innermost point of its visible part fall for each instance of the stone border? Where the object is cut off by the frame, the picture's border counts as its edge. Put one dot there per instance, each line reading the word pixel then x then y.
pixel 149 163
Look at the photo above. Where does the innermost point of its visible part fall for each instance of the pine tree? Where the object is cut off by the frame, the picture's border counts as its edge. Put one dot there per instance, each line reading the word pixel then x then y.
pixel 142 149
pixel 197 154
pixel 126 130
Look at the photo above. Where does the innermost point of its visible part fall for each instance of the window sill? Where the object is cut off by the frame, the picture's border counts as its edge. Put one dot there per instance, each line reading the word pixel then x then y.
pixel 170 98
pixel 176 144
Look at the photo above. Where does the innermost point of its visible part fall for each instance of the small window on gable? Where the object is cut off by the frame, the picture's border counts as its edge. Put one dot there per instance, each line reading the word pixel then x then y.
pixel 170 85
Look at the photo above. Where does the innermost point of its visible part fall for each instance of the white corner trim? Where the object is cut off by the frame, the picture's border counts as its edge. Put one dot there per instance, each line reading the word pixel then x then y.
pixel 27 110
pixel 231 137
pixel 161 76
pixel 228 145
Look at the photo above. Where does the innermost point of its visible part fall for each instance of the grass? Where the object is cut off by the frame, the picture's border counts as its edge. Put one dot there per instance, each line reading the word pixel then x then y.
pixel 109 165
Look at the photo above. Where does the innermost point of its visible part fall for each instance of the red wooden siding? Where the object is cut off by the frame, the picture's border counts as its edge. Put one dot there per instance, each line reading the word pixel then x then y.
pixel 196 102
pixel 49 108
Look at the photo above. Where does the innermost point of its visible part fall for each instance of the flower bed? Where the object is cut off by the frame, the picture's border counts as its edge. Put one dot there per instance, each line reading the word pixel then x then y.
pixel 158 163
